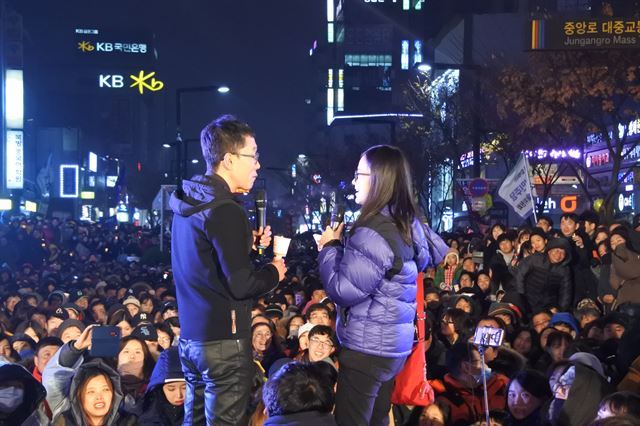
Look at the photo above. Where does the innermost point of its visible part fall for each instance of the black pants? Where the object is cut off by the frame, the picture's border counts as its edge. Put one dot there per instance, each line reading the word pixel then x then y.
pixel 365 384
pixel 218 375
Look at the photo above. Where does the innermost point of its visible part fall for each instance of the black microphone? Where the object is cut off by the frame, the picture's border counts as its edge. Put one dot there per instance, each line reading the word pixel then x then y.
pixel 261 213
pixel 337 216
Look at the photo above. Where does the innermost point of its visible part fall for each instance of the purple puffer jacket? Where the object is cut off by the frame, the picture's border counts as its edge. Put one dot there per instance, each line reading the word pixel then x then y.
pixel 376 314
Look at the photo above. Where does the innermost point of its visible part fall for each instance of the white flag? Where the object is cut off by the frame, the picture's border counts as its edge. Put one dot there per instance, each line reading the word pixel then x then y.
pixel 516 189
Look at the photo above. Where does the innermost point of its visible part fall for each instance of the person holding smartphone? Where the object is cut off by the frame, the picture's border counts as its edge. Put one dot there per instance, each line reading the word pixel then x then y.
pixel 83 392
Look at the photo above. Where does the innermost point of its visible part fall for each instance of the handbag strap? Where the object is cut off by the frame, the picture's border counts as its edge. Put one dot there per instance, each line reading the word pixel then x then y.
pixel 420 315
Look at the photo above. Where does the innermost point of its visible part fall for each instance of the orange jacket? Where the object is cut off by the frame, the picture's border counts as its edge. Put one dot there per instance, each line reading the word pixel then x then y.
pixel 467 405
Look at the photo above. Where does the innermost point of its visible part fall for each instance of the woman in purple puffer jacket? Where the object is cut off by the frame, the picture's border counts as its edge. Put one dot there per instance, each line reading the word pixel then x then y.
pixel 372 279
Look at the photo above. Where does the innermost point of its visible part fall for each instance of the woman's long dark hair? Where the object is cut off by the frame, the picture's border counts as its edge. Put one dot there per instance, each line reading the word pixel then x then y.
pixel 148 364
pixel 390 186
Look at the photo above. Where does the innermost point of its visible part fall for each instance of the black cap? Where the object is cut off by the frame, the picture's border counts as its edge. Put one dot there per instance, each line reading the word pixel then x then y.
pixel 141 318
pixel 61 313
pixel 70 323
pixel 170 304
pixel 76 294
pixel 73 306
pixel 274 311
pixel 145 332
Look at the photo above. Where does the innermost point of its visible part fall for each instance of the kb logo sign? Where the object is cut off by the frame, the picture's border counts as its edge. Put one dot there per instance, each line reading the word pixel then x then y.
pixel 143 81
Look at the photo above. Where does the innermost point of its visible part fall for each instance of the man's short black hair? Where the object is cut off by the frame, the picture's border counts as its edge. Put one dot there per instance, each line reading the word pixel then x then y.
pixel 48 341
pixel 570 216
pixel 317 307
pixel 459 352
pixel 324 330
pixel 299 387
pixel 590 216
pixel 546 219
pixel 225 134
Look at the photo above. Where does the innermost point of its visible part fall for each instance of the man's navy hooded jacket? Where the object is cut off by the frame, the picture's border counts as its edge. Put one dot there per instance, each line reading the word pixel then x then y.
pixel 210 247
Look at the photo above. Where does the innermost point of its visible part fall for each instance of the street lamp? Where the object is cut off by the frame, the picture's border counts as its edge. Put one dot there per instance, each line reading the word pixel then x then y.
pixel 425 68
pixel 180 144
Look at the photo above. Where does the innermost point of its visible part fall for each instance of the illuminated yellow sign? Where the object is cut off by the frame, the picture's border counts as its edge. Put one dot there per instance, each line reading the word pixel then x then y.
pixel 585 33
pixel 30 206
pixel 85 46
pixel 106 47
pixel 87 195
pixel 5 204
pixel 141 82
pixel 618 27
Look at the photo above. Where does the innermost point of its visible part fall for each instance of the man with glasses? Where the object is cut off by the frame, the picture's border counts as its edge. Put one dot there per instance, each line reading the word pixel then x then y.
pixel 322 345
pixel 215 280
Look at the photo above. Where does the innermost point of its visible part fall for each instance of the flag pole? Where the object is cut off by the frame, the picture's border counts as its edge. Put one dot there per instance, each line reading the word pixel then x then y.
pixel 533 202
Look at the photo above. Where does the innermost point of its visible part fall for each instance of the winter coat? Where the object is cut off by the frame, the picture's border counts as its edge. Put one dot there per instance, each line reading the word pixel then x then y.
pixel 542 283
pixel 584 280
pixel 438 279
pixel 374 285
pixel 625 275
pixel 62 384
pixel 466 405
pixel 154 408
pixel 210 255
pixel 502 273
pixel 489 252
pixel 31 412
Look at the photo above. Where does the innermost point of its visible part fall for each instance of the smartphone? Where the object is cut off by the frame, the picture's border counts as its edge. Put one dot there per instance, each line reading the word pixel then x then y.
pixel 105 341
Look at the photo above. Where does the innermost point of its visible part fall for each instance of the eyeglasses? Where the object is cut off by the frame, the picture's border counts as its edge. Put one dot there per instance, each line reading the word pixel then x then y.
pixel 319 342
pixel 357 173
pixel 255 156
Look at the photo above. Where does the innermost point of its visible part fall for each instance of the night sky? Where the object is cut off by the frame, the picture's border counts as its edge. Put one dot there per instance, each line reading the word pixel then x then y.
pixel 258 48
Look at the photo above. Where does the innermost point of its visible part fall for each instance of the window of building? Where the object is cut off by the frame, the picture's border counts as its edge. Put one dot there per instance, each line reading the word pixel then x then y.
pixel 417 52
pixel 404 57
pixel 357 60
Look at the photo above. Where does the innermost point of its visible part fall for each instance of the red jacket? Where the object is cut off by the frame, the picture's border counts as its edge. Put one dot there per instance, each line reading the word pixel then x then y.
pixel 467 405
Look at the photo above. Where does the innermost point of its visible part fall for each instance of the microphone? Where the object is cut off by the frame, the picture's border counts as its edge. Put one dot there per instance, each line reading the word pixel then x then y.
pixel 337 216
pixel 261 213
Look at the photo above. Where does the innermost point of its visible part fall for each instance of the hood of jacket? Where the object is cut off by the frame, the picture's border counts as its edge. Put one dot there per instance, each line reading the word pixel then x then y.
pixel 561 243
pixel 168 367
pixel 81 376
pixel 197 193
pixel 34 391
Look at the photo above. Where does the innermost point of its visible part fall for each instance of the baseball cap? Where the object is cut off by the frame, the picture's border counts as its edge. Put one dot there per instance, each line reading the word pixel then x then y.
pixel 145 332
pixel 305 328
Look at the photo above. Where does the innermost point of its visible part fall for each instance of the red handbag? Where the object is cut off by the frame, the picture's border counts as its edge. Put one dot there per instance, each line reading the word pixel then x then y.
pixel 411 386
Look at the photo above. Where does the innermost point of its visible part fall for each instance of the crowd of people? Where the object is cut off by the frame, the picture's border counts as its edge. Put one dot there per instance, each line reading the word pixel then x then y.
pixel 570 354
pixel 327 333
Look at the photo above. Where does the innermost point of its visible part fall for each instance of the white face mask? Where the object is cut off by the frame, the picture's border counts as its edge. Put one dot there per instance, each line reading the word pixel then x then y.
pixel 10 398
pixel 487 374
